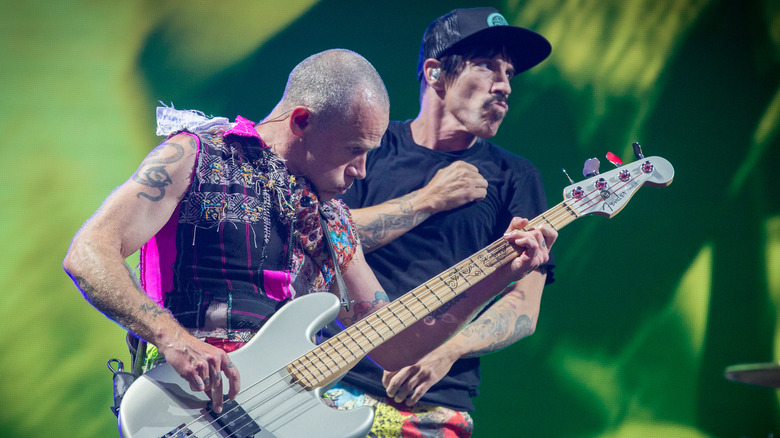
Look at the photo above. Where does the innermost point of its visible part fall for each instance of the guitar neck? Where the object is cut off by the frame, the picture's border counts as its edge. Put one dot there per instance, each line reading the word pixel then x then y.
pixel 603 194
pixel 335 356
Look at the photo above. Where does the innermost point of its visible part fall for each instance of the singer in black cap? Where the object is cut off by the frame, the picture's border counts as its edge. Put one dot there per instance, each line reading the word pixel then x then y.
pixel 438 191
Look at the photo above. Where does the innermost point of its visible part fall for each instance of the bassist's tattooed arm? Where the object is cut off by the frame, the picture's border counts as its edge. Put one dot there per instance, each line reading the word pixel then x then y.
pixel 153 173
pixel 110 308
pixel 149 308
pixel 90 293
pixel 96 261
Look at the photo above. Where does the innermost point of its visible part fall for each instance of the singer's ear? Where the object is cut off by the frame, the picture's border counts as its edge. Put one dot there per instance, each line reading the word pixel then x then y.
pixel 432 72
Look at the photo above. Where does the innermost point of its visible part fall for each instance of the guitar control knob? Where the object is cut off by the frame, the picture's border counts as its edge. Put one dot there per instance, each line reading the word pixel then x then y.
pixel 577 192
pixel 625 175
pixel 601 184
pixel 647 167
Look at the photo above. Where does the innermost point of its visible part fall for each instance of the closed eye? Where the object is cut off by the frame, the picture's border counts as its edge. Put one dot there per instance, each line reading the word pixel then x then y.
pixel 355 150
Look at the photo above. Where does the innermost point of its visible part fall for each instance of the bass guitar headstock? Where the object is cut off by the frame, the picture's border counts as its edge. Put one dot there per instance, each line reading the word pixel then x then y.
pixel 607 193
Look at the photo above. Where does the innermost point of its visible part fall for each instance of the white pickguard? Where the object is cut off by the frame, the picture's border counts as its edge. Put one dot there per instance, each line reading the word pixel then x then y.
pixel 160 400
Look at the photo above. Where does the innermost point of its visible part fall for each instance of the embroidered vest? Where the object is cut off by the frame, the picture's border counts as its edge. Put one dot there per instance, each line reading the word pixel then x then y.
pixel 246 236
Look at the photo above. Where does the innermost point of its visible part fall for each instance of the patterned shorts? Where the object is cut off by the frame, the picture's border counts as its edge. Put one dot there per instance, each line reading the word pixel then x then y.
pixel 396 420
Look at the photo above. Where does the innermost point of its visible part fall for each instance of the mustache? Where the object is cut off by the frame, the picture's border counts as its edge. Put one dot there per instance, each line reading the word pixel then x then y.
pixel 496 98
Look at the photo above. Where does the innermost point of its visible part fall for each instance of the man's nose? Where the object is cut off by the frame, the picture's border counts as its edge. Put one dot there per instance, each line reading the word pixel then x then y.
pixel 501 84
pixel 357 168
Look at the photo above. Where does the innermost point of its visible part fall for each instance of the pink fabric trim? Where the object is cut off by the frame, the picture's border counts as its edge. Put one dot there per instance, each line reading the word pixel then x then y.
pixel 245 128
pixel 159 254
pixel 150 270
pixel 157 258
pixel 277 284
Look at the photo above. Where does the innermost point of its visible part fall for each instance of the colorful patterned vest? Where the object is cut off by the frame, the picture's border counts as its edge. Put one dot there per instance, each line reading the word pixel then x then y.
pixel 246 236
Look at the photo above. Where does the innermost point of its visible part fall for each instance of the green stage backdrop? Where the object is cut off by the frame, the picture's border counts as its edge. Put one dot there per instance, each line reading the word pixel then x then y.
pixel 649 307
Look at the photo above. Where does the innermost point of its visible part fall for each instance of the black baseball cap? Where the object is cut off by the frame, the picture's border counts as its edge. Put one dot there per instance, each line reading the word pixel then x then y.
pixel 475 25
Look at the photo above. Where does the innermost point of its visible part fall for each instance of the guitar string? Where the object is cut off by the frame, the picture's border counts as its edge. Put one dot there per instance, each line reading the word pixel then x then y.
pixel 562 215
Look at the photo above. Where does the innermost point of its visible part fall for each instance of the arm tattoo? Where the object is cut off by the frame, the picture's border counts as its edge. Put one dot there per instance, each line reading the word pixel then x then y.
pixel 99 302
pixel 91 294
pixel 365 308
pixel 498 329
pixel 404 204
pixel 373 233
pixel 153 309
pixel 153 173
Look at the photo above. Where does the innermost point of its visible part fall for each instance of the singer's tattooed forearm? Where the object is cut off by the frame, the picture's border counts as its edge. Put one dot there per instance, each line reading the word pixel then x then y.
pixel 373 234
pixel 500 329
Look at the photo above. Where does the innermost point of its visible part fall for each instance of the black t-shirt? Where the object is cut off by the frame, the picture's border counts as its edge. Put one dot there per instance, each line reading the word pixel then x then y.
pixel 399 167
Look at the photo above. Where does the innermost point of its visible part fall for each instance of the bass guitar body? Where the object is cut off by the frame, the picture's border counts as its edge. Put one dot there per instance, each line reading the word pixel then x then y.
pixel 161 404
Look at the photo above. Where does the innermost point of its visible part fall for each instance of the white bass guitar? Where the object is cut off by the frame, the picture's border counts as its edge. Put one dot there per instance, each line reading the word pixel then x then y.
pixel 283 372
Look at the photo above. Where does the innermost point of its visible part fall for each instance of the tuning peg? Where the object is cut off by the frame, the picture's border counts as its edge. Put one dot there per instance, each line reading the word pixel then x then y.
pixel 614 159
pixel 591 167
pixel 567 176
pixel 637 150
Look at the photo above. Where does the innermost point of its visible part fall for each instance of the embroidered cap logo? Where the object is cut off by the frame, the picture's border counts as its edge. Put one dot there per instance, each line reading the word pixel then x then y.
pixel 496 19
